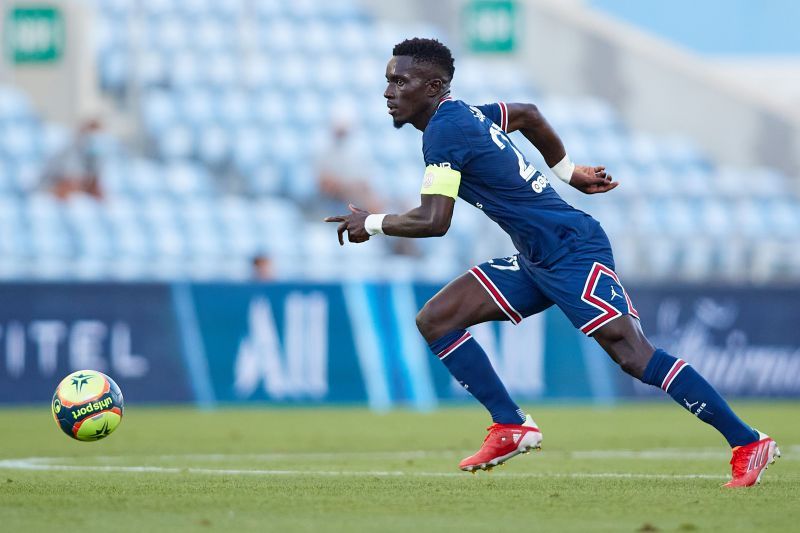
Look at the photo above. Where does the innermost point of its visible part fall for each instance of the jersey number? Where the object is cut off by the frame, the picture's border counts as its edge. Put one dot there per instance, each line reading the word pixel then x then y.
pixel 526 171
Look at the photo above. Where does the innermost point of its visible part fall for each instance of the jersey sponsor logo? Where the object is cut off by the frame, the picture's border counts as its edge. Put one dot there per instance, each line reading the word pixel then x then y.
pixel 539 184
pixel 614 293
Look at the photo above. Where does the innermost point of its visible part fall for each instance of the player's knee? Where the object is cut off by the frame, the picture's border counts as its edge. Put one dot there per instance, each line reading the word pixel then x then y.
pixel 632 365
pixel 425 323
pixel 429 322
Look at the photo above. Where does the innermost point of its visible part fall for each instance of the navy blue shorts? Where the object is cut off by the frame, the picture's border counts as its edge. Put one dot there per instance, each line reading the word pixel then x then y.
pixel 582 284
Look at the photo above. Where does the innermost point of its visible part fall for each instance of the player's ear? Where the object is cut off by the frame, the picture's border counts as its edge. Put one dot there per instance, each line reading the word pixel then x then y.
pixel 435 86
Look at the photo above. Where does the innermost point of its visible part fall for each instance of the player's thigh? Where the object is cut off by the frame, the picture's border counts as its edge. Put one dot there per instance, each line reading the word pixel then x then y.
pixel 492 291
pixel 586 288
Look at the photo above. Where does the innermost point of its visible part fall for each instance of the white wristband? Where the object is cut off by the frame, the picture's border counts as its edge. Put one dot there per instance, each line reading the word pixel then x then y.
pixel 374 224
pixel 564 169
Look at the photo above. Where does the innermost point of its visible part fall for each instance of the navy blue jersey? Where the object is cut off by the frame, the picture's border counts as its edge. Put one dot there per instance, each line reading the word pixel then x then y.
pixel 496 178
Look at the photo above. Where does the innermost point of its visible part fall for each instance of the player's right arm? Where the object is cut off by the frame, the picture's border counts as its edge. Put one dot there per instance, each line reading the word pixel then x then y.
pixel 445 151
pixel 431 219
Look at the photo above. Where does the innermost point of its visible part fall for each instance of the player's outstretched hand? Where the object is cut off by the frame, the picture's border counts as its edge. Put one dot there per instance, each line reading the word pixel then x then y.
pixel 591 180
pixel 353 224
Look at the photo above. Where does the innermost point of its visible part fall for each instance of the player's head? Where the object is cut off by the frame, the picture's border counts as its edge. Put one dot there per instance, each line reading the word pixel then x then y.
pixel 418 74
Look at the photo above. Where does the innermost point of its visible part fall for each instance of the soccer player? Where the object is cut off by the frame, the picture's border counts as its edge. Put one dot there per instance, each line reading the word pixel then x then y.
pixel 564 257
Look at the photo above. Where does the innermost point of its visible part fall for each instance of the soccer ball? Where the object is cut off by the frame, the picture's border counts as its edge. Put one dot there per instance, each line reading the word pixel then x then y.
pixel 87 405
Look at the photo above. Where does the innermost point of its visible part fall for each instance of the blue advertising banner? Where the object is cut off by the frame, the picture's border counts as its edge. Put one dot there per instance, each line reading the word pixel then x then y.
pixel 283 343
pixel 127 331
pixel 745 341
pixel 357 343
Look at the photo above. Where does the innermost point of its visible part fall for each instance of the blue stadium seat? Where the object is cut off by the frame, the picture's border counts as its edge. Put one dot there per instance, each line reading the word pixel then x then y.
pixel 296 69
pixel 27 174
pixel 256 73
pixel 20 140
pixel 250 148
pixel 177 142
pixel 268 9
pixel 158 111
pixel 309 110
pixel 660 258
pixel 197 106
pixel 53 139
pixel 172 33
pixel 696 258
pixel 157 8
pixel 7 182
pixel 214 145
pixel 183 179
pixel 266 179
pixel 220 69
pixel 211 34
pixel 271 108
pixel 114 66
pixel 280 36
pixel 319 37
pixel 234 107
pixel 185 70
pixel 150 68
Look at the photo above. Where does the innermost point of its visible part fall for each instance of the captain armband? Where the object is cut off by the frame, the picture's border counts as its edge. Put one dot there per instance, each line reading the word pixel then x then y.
pixel 441 179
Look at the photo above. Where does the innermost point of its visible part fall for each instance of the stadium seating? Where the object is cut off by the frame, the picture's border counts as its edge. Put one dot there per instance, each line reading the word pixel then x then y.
pixel 234 106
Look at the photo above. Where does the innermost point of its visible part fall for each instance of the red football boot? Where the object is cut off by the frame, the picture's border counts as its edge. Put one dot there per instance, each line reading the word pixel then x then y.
pixel 503 442
pixel 749 462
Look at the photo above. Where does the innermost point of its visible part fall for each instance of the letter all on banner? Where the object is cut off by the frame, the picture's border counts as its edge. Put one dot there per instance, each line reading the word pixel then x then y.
pixel 296 368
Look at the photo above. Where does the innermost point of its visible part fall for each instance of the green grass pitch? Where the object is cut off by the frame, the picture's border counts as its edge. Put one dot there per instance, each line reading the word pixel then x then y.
pixel 623 468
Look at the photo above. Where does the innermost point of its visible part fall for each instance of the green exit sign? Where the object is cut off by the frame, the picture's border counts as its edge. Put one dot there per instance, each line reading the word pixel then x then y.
pixel 490 25
pixel 34 34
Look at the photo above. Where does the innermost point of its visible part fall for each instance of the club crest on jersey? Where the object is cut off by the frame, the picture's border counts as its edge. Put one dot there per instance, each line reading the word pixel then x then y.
pixel 427 180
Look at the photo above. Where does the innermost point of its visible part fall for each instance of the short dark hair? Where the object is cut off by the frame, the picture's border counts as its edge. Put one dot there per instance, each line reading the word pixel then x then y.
pixel 427 51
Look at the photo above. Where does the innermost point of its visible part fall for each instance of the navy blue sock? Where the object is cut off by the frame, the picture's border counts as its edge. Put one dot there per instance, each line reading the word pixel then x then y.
pixel 469 364
pixel 688 388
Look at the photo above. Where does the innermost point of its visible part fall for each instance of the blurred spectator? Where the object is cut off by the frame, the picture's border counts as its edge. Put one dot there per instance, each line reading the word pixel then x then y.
pixel 75 168
pixel 342 169
pixel 262 268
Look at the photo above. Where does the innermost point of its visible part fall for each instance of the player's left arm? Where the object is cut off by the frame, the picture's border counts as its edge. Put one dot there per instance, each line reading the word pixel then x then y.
pixel 431 219
pixel 531 123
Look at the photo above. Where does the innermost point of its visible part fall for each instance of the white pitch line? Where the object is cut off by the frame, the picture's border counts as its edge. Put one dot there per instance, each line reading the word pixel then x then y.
pixel 34 463
pixel 652 454
pixel 282 456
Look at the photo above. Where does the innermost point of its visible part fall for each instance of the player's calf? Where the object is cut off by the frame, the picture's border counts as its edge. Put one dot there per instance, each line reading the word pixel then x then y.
pixel 688 388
